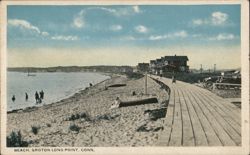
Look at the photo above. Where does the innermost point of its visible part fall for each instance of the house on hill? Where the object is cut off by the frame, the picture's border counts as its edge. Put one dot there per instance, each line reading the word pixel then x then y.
pixel 169 64
pixel 179 63
pixel 143 67
pixel 152 66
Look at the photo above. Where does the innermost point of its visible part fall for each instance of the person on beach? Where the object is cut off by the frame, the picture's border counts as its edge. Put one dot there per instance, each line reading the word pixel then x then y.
pixel 173 78
pixel 13 98
pixel 42 94
pixel 26 97
pixel 37 97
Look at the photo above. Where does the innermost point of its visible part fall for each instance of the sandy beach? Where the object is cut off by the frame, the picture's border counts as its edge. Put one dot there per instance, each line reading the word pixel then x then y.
pixel 85 119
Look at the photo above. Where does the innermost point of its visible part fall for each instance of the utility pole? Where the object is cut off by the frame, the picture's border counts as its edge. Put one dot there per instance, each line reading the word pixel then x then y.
pixel 214 68
pixel 201 68
pixel 146 83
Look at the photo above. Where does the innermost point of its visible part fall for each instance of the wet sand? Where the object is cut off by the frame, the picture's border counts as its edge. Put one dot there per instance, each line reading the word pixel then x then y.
pixel 85 119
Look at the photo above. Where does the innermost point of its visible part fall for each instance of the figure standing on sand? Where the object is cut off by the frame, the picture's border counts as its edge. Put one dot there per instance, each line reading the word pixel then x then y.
pixel 42 94
pixel 37 97
pixel 173 78
pixel 13 98
pixel 26 97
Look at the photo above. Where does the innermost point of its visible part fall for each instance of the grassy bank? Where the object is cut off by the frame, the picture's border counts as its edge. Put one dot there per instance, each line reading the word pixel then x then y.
pixel 132 75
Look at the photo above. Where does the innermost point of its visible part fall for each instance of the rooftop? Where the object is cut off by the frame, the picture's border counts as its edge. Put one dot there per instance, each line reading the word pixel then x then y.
pixel 182 58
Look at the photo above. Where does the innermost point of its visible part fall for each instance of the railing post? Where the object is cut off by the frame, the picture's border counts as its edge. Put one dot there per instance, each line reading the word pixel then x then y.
pixel 214 86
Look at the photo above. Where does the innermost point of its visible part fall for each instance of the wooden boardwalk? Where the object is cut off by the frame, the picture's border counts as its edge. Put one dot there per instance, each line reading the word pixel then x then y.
pixel 197 117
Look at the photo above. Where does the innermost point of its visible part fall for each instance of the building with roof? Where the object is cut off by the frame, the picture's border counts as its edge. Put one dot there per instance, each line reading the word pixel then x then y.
pixel 169 64
pixel 143 67
pixel 177 62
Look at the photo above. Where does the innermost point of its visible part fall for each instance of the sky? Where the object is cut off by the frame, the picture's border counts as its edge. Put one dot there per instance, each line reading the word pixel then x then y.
pixel 44 36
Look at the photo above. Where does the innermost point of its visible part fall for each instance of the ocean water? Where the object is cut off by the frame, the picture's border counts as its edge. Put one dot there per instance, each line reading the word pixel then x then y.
pixel 56 86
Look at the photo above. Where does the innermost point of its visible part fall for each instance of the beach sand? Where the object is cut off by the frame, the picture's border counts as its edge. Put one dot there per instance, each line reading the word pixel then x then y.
pixel 85 119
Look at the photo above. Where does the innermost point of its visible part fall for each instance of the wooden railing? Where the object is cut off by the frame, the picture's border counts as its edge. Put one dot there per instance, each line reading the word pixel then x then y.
pixel 225 85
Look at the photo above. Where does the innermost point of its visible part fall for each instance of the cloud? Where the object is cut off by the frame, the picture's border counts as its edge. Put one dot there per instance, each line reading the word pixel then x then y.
pixel 65 38
pixel 136 9
pixel 181 34
pixel 79 22
pixel 116 27
pixel 45 34
pixel 198 22
pixel 215 19
pixel 158 37
pixel 23 24
pixel 223 36
pixel 26 25
pixel 178 34
pixel 219 18
pixel 141 29
pixel 123 11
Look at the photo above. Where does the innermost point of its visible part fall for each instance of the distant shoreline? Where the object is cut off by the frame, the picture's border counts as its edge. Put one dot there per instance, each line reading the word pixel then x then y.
pixel 97 68
pixel 101 68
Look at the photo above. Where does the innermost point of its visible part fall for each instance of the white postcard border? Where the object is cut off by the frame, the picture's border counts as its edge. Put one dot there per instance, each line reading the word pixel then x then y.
pixel 244 149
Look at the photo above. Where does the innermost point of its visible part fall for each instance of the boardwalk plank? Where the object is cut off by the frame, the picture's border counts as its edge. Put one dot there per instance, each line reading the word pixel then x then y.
pixel 231 110
pixel 211 136
pixel 221 133
pixel 188 136
pixel 228 118
pixel 234 114
pixel 176 134
pixel 224 124
pixel 234 109
pixel 199 133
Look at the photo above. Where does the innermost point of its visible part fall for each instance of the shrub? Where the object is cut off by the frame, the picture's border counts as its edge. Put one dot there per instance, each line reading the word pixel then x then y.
pixel 74 127
pixel 34 129
pixel 72 117
pixel 86 116
pixel 133 75
pixel 156 113
pixel 78 116
pixel 15 140
pixel 106 117
pixel 189 77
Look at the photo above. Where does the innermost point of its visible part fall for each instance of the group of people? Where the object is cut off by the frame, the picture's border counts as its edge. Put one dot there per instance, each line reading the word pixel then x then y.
pixel 38 96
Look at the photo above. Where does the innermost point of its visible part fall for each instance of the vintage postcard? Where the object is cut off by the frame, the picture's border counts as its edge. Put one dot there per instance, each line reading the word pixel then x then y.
pixel 125 77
